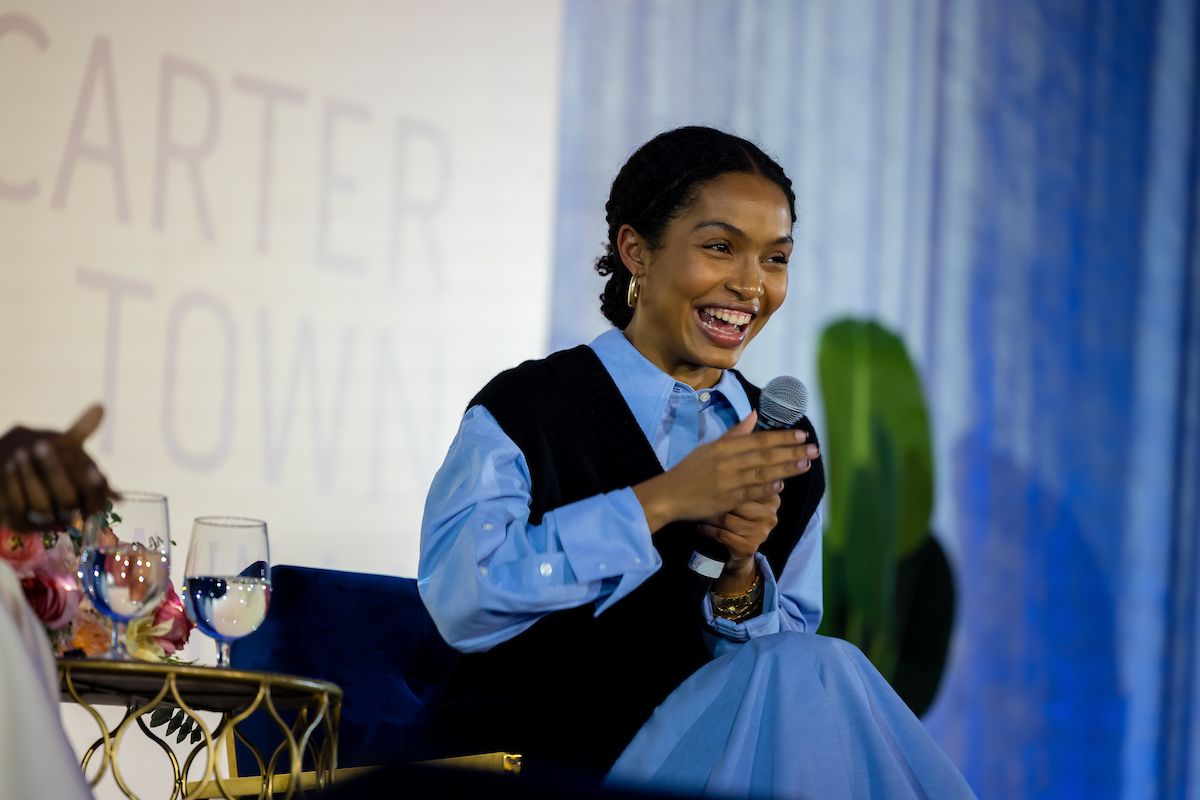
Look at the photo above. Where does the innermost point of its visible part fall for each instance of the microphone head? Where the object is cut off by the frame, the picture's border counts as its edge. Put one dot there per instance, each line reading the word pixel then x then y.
pixel 782 403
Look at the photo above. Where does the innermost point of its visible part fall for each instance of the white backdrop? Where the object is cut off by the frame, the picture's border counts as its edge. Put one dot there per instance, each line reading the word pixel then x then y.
pixel 284 246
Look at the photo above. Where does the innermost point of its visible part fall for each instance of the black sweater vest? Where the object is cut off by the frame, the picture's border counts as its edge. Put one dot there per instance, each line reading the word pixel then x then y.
pixel 574 688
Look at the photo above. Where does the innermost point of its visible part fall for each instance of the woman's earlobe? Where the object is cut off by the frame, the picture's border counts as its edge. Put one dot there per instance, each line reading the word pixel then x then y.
pixel 629 245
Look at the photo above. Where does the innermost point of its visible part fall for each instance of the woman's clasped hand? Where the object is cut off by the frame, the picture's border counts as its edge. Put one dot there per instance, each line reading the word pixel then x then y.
pixel 740 469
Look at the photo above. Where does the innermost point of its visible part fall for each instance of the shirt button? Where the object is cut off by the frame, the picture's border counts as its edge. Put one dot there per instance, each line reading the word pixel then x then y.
pixel 704 397
pixel 487 526
pixel 637 561
pixel 546 569
pixel 602 566
pixel 483 571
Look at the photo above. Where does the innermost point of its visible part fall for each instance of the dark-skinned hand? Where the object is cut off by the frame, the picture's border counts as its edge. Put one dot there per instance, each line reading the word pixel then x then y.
pixel 46 476
pixel 742 530
pixel 717 477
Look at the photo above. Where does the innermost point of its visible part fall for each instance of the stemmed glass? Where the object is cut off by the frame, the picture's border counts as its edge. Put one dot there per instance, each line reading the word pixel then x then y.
pixel 124 567
pixel 227 579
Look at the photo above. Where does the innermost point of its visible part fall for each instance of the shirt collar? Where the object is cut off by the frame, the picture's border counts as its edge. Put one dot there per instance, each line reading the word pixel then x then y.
pixel 646 388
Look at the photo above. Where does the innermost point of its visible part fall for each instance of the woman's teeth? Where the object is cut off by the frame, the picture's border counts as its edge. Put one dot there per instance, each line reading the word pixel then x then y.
pixel 738 318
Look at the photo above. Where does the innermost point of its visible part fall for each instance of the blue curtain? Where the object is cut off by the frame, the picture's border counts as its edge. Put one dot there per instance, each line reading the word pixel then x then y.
pixel 1013 186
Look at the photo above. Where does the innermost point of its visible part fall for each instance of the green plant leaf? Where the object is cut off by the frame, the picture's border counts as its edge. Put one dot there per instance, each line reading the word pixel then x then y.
pixel 879 467
pixel 160 716
pixel 899 401
pixel 925 582
pixel 844 371
pixel 869 554
pixel 833 590
pixel 866 374
pixel 873 519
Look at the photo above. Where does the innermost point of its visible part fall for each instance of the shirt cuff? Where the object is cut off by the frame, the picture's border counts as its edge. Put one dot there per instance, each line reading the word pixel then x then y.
pixel 605 536
pixel 764 624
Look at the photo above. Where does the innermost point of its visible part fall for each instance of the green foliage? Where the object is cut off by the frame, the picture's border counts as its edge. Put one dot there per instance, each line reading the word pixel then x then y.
pixel 879 468
pixel 178 722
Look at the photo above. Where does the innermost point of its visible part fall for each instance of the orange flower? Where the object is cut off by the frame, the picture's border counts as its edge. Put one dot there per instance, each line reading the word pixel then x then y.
pixel 93 633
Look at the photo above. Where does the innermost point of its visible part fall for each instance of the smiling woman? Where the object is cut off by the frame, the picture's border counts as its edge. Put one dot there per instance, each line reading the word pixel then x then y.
pixel 557 533
pixel 713 281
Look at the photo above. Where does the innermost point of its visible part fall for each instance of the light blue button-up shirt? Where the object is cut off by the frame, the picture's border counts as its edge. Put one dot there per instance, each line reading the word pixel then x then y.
pixel 486 574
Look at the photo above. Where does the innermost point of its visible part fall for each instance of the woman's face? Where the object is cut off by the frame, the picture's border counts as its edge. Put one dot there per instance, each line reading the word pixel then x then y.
pixel 716 277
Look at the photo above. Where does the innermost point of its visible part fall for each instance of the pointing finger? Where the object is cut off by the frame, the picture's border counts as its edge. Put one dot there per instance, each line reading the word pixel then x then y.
pixel 86 424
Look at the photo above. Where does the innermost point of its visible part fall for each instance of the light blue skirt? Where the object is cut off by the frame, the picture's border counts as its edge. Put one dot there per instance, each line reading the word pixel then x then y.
pixel 793 715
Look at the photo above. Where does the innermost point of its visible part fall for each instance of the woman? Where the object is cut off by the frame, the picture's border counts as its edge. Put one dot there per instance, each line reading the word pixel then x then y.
pixel 557 533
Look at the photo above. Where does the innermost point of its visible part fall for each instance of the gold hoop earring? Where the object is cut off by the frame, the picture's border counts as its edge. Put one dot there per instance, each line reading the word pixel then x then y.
pixel 632 293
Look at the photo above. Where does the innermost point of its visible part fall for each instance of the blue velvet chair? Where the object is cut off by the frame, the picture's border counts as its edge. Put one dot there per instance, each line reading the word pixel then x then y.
pixel 369 634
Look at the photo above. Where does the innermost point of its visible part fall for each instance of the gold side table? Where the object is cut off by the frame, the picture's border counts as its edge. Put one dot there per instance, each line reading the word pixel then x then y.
pixel 142 687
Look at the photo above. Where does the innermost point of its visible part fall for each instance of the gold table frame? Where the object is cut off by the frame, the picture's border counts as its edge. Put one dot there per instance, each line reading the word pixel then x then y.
pixel 235 694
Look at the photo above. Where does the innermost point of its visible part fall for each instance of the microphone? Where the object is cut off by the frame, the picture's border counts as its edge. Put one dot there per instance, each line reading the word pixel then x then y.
pixel 781 405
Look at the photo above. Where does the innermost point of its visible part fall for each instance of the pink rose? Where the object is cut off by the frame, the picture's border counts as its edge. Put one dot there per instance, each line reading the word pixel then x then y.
pixel 171 610
pixel 54 597
pixel 23 551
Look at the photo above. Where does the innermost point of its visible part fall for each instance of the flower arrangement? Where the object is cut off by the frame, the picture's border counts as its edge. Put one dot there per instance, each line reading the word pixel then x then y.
pixel 47 563
pixel 157 636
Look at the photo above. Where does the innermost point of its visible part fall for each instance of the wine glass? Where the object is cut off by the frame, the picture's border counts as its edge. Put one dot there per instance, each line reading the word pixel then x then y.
pixel 124 566
pixel 227 579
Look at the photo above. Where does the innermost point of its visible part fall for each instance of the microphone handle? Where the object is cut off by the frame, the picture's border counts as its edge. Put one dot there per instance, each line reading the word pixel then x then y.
pixel 709 558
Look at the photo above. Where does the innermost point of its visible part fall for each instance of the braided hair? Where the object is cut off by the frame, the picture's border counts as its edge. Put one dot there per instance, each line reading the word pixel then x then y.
pixel 661 180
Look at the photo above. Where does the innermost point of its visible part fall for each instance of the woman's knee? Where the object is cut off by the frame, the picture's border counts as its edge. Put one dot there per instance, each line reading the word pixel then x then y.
pixel 791 645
